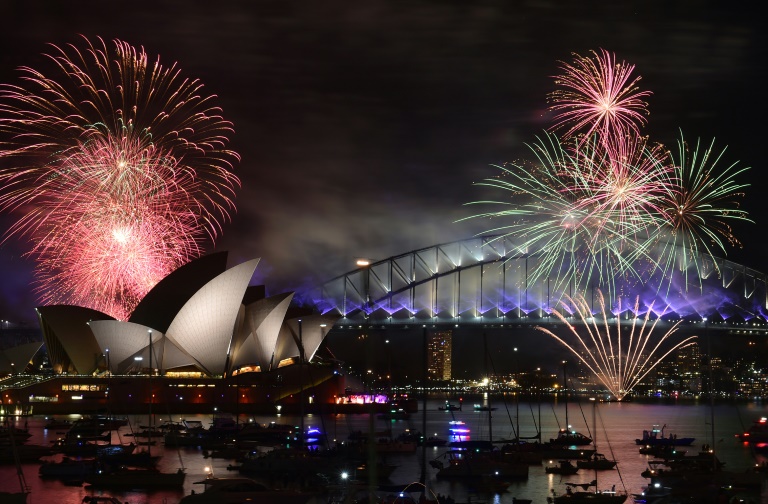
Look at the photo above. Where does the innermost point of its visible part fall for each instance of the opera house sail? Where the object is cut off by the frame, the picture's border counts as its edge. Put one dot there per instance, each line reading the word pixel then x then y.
pixel 203 321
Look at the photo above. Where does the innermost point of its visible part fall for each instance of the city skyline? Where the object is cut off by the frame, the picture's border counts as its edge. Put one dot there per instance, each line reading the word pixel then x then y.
pixel 352 147
pixel 399 353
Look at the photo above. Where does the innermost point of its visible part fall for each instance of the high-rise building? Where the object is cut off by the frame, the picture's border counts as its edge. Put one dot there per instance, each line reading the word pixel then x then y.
pixel 689 367
pixel 439 355
pixel 689 358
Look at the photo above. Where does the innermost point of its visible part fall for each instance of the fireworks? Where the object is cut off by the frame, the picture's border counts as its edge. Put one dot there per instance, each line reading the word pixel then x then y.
pixel 580 211
pixel 597 96
pixel 118 173
pixel 562 213
pixel 617 359
pixel 698 211
pixel 604 202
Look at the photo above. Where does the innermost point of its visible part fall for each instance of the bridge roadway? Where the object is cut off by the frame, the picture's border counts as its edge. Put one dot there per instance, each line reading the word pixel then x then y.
pixel 717 328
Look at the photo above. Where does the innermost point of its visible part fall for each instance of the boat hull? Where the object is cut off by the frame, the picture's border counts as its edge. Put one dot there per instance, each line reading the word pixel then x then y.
pixel 137 479
pixel 591 497
pixel 239 490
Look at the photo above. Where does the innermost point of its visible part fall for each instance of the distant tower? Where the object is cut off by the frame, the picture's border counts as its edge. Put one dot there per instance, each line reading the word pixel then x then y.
pixel 439 355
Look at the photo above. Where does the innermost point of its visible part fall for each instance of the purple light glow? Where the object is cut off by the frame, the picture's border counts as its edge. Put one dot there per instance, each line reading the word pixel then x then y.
pixel 714 299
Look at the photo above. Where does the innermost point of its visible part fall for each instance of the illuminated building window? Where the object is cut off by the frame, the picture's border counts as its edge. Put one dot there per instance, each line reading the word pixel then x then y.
pixel 439 355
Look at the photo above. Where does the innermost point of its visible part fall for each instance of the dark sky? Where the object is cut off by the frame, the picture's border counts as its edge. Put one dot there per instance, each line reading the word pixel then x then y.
pixel 362 125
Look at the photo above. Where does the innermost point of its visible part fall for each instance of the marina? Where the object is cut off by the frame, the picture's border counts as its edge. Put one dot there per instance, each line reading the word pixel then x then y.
pixel 343 472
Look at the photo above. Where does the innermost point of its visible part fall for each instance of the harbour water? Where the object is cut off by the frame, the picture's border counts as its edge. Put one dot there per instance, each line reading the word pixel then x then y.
pixel 618 425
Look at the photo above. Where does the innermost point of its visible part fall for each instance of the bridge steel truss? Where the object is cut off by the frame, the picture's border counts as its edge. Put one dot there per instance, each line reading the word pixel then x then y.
pixel 491 280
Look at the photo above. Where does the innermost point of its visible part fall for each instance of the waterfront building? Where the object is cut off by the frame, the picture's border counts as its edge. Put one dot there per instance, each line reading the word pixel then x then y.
pixel 201 328
pixel 201 320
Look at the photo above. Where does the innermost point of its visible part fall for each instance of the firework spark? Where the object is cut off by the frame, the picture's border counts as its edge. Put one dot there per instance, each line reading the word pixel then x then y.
pixel 543 214
pixel 617 359
pixel 597 96
pixel 119 173
pixel 699 207
pixel 623 188
pixel 581 210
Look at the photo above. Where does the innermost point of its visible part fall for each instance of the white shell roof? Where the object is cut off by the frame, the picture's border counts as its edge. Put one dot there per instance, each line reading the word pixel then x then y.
pixel 239 335
pixel 314 328
pixel 124 341
pixel 19 356
pixel 213 330
pixel 263 319
pixel 174 357
pixel 246 354
pixel 204 325
pixel 68 325
pixel 286 345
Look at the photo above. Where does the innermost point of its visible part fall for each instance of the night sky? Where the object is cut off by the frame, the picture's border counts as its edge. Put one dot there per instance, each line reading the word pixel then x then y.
pixel 363 125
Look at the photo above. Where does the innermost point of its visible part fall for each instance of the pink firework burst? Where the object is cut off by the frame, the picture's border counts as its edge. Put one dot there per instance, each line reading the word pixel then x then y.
pixel 597 96
pixel 623 188
pixel 119 173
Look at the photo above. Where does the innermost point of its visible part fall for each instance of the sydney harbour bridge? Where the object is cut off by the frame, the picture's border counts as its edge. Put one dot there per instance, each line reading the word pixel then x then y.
pixel 489 281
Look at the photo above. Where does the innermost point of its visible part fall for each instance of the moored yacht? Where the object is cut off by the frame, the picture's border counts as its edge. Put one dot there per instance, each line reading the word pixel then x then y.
pixel 564 467
pixel 237 490
pixel 567 437
pixel 656 436
pixel 596 461
pixel 586 495
pixel 136 478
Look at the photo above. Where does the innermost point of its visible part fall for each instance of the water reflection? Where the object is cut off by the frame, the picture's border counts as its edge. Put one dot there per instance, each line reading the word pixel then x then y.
pixel 622 424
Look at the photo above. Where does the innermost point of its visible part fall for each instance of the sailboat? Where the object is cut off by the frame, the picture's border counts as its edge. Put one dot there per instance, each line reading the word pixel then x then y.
pixel 566 436
pixel 596 461
pixel 572 495
pixel 144 477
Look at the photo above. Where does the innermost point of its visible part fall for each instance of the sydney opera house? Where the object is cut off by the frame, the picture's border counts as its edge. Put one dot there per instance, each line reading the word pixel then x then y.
pixel 210 336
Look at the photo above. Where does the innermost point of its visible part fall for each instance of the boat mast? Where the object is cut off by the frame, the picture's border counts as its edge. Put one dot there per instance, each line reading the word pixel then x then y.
pixel 149 440
pixel 538 427
pixel 594 436
pixel 11 426
pixel 301 387
pixel 424 365
pixel 517 397
pixel 565 392
pixel 594 423
pixel 488 402
pixel 711 393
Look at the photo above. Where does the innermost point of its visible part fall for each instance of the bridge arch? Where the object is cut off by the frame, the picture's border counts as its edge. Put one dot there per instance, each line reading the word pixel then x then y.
pixel 490 279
